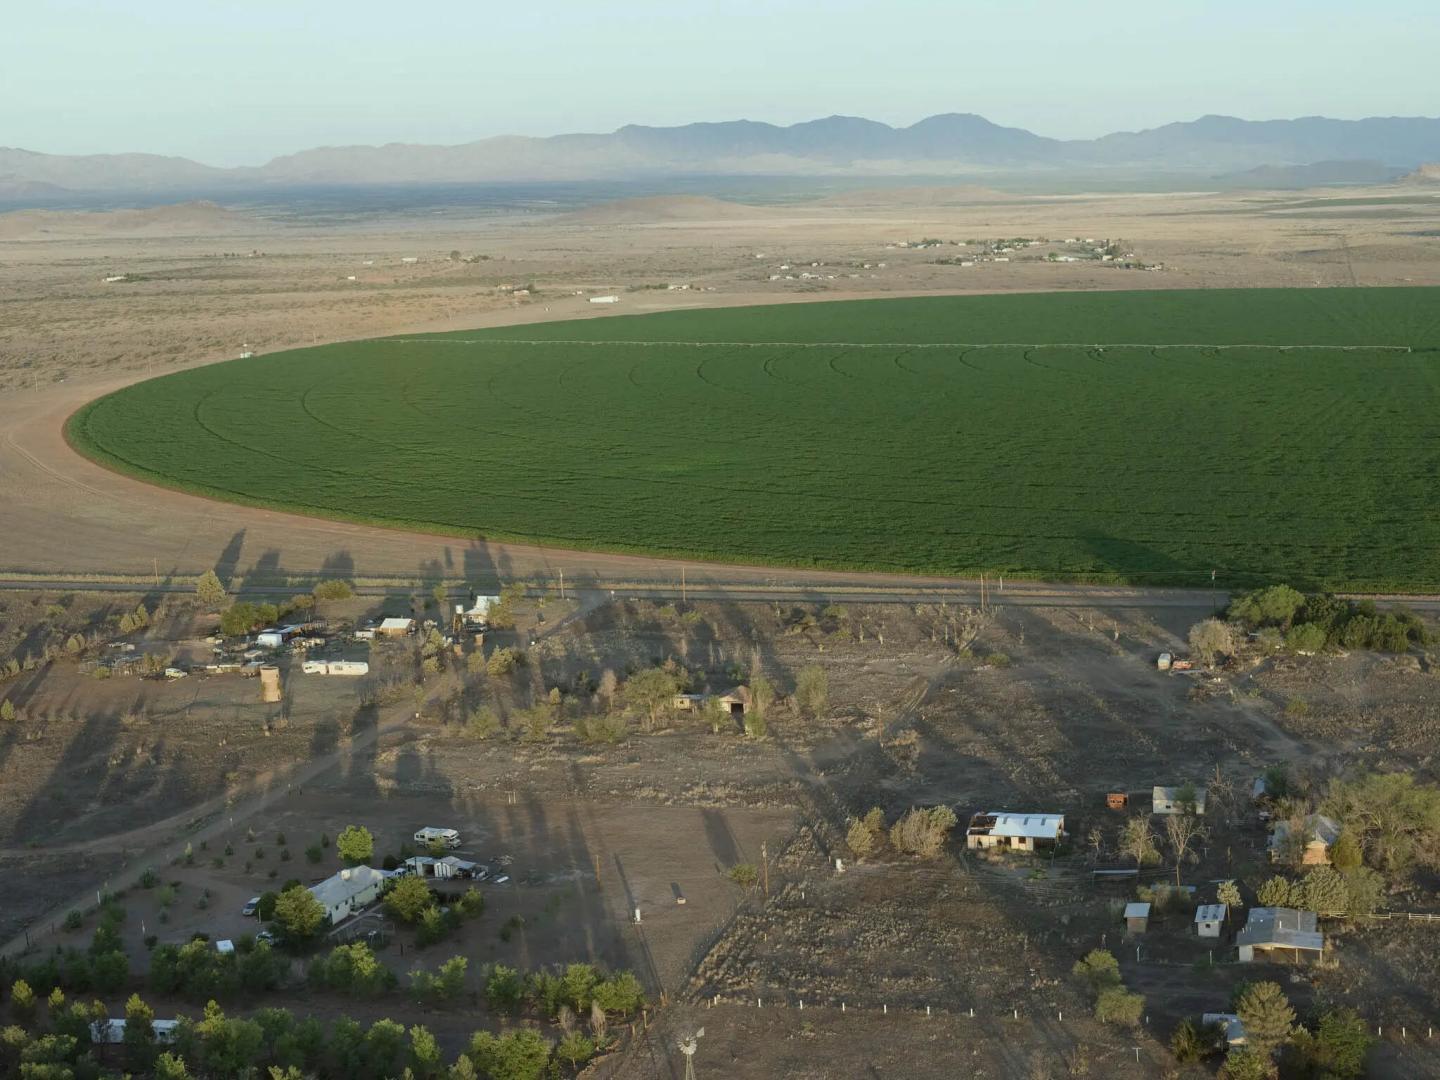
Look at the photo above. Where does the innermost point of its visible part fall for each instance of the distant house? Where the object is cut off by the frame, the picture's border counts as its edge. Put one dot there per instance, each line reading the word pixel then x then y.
pixel 1137 917
pixel 1230 1026
pixel 450 866
pixel 1020 832
pixel 689 702
pixel 1210 919
pixel 478 613
pixel 1320 834
pixel 1280 934
pixel 604 299
pixel 395 627
pixel 1166 800
pixel 347 892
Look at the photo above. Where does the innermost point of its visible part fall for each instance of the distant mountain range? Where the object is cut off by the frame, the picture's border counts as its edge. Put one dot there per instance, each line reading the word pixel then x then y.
pixel 953 144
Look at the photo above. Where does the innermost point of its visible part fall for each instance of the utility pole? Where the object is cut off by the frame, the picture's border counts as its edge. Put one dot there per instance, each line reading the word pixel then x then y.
pixel 683 598
pixel 562 583
pixel 765 868
pixel 157 572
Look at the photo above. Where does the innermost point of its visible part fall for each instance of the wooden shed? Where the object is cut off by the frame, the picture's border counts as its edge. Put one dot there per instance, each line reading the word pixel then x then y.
pixel 1117 800
pixel 1137 917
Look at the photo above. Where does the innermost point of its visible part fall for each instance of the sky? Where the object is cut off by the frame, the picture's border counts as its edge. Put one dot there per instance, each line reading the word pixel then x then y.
pixel 237 83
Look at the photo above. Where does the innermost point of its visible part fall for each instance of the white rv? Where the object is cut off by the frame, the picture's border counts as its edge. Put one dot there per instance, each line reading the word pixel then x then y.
pixel 429 835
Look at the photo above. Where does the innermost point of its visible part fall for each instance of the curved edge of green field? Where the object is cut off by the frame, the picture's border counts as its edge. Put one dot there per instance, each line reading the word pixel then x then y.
pixel 78 439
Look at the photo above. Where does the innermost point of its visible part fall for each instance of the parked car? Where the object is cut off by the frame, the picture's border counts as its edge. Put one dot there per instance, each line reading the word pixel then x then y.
pixel 265 936
pixel 251 906
pixel 503 879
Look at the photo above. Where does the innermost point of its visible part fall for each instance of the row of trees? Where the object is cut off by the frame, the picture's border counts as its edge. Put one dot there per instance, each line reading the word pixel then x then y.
pixel 275 1043
pixel 1284 618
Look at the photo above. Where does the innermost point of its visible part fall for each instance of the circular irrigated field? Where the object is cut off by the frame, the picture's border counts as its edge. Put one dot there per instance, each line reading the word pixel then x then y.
pixel 1147 437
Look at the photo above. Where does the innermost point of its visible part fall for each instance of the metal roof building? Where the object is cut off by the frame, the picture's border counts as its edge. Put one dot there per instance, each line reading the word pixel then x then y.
pixel 1000 828
pixel 1269 930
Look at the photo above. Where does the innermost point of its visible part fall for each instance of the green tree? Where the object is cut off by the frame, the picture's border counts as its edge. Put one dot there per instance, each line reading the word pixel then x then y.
pixel 576 1049
pixel 1338 1048
pixel 1272 606
pixel 652 692
pixel 1116 1005
pixel 1305 638
pixel 866 833
pixel 621 994
pixel 386 1048
pixel 502 989
pixel 352 969
pixel 139 1035
pixel 355 844
pixel 1365 890
pixel 170 1067
pixel 240 618
pixel 7 710
pixel 1276 892
pixel 210 592
pixel 1267 1017
pixel 483 721
pixel 1345 853
pixel 1229 894
pixel 1098 968
pixel 1245 1063
pixel 22 1000
pixel 520 1055
pixel 1396 818
pixel 1323 890
pixel 812 689
pixel 408 898
pixel 426 1060
pixel 298 912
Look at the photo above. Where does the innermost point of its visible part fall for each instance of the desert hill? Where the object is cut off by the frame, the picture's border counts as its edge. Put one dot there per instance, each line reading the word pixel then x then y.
pixel 658 209
pixel 180 219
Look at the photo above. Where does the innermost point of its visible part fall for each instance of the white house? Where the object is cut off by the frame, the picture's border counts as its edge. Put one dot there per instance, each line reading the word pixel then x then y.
pixel 1209 919
pixel 1021 832
pixel 604 299
pixel 347 892
pixel 1166 800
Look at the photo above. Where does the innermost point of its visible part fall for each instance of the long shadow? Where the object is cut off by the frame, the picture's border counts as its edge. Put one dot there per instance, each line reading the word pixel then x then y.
pixel 229 559
pixel 338 564
pixel 266 574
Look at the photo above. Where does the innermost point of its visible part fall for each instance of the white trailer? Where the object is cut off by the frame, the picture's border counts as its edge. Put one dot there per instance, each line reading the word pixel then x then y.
pixel 429 835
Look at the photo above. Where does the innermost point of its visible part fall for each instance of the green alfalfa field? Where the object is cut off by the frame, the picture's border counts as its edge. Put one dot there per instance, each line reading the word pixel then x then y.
pixel 1147 437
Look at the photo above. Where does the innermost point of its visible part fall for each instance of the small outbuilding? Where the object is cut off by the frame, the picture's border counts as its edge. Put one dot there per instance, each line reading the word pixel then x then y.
pixel 689 702
pixel 1167 800
pixel 1137 917
pixel 737 702
pixel 1117 800
pixel 1210 919
pixel 395 627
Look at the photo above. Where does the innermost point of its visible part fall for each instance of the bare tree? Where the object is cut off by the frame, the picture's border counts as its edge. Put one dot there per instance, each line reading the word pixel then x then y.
pixel 1183 831
pixel 1137 840
pixel 1097 843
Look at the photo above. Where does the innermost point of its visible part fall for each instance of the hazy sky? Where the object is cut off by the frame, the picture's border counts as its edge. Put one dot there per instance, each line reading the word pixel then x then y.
pixel 231 82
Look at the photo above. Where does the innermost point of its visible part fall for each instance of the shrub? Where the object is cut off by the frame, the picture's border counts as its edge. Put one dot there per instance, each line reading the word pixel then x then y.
pixel 483 721
pixel 503 988
pixel 744 874
pixel 504 661
pixel 1323 890
pixel 1305 638
pixel 608 728
pixel 1099 968
pixel 313 854
pixel 866 834
pixel 1212 638
pixel 352 969
pixel 73 920
pixel 1116 1005
pixel 812 689
pixel 923 832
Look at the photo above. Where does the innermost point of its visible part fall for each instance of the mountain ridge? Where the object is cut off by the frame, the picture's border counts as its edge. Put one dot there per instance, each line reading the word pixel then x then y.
pixel 946 144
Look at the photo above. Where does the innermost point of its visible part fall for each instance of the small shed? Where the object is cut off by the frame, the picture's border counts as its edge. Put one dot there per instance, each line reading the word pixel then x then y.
pixel 689 702
pixel 1163 661
pixel 225 947
pixel 395 627
pixel 1117 800
pixel 1137 917
pixel 271 638
pixel 737 701
pixel 1210 919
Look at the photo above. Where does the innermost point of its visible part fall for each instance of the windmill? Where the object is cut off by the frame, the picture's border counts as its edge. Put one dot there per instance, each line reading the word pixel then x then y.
pixel 688 1048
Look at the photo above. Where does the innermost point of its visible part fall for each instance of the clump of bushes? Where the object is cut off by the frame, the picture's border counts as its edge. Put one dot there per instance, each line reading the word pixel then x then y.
pixel 923 831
